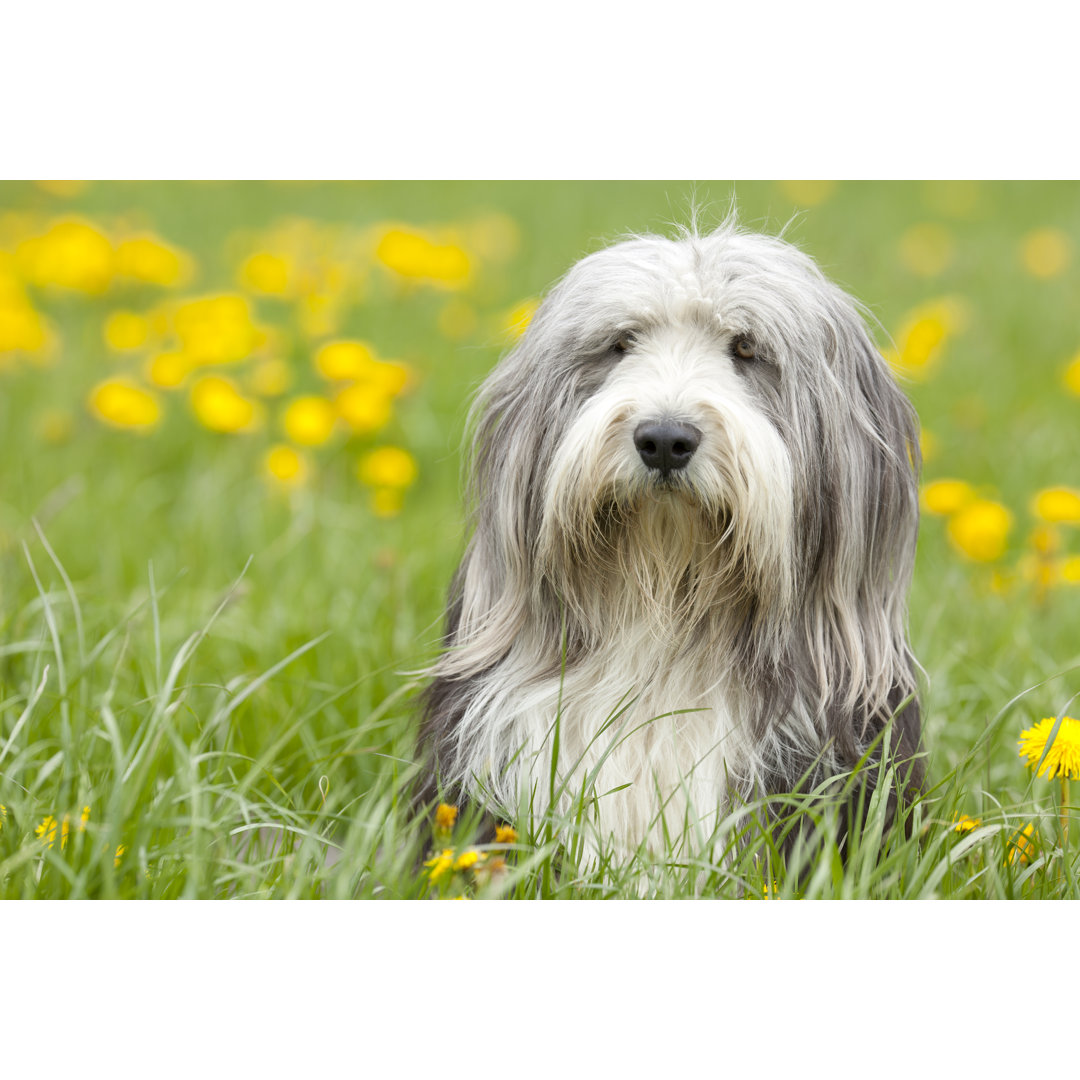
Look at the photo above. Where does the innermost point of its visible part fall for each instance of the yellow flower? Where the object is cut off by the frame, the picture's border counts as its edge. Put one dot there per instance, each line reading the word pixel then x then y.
pixel 1070 570
pixel 168 369
pixel 808 192
pixel 219 406
pixel 924 333
pixel 518 318
pixel 120 849
pixel 926 249
pixel 445 815
pixel 469 859
pixel 964 824
pixel 341 360
pixel 3 815
pixel 149 259
pixel 1063 757
pixel 1058 505
pixel 309 421
pixel 946 496
pixel 286 466
pixel 123 404
pixel 47 830
pixel 1022 845
pixel 217 329
pixel 387 467
pixel 62 189
pixel 267 273
pixel 1046 252
pixel 1072 376
pixel 439 864
pixel 72 254
pixel 387 502
pixel 505 834
pixel 22 329
pixel 84 817
pixel 125 330
pixel 980 530
pixel 413 255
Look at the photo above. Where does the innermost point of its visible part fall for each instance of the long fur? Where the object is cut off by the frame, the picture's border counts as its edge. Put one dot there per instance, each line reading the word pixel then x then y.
pixel 719 631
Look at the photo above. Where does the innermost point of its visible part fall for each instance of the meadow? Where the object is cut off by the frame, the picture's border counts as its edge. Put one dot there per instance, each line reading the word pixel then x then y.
pixel 230 421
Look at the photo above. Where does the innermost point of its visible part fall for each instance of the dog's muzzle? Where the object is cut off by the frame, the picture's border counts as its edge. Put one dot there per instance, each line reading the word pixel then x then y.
pixel 666 445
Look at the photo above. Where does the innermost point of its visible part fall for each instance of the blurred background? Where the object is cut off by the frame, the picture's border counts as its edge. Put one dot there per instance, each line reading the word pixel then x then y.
pixel 195 374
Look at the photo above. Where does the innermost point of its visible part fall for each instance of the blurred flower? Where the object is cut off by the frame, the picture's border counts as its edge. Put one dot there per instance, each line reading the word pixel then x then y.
pixel 309 420
pixel 120 849
pixel 267 273
pixel 413 255
pixel 964 824
pixel 22 328
pixel 341 360
pixel 1022 844
pixel 980 530
pixel 125 331
pixel 439 864
pixel 285 465
pixel 387 467
pixel 364 408
pixel 926 249
pixel 1058 505
pixel 70 254
pixel 946 496
pixel 1063 757
pixel 1072 376
pixel 62 189
pixel 1045 252
pixel 3 816
pixel 219 405
pixel 518 318
pixel 217 329
pixel 445 815
pixel 124 404
pixel 168 369
pixel 47 830
pixel 495 237
pixel 1070 570
pixel 148 259
pixel 923 334
pixel 505 834
pixel 808 192
pixel 468 859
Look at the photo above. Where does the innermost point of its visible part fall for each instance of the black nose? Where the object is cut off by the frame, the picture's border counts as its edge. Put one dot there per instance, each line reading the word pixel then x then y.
pixel 666 445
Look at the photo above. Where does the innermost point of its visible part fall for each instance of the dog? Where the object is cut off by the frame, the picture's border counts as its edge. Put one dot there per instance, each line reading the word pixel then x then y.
pixel 694 505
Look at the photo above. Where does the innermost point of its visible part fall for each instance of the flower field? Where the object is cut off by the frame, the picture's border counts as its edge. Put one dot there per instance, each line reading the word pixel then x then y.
pixel 230 422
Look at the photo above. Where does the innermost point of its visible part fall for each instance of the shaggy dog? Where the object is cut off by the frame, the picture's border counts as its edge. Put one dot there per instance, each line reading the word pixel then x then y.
pixel 694 510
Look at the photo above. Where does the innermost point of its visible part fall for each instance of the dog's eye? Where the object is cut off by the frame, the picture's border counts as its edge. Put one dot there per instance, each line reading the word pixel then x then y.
pixel 745 349
pixel 623 343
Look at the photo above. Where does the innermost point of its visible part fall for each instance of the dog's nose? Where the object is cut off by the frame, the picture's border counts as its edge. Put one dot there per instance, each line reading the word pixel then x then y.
pixel 666 445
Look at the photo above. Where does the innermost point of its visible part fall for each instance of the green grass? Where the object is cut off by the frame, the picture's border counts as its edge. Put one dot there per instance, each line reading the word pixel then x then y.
pixel 218 671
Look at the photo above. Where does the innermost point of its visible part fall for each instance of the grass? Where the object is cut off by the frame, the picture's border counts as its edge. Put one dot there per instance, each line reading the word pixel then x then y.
pixel 218 670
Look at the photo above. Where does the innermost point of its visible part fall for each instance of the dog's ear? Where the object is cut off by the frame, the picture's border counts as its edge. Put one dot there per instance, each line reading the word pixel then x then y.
pixel 860 523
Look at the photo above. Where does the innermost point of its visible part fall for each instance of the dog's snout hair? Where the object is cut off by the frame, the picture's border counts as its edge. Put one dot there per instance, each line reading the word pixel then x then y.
pixel 693 499
pixel 666 445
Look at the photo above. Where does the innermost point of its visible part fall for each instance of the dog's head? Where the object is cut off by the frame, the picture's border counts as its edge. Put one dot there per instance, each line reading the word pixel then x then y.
pixel 703 428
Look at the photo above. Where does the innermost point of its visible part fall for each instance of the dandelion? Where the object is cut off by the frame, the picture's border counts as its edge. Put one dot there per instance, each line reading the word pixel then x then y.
pixel 964 824
pixel 125 331
pixel 270 378
pixel 309 421
pixel 217 329
pixel 1058 505
pixel 518 318
pixel 150 260
pixel 1070 570
pixel 980 530
pixel 267 273
pixel 124 404
pixel 946 496
pixel 387 467
pixel 285 466
pixel 1071 378
pixel 1045 253
pixel 413 255
pixel 1061 759
pixel 468 859
pixel 168 369
pixel 439 864
pixel 1022 845
pixel 342 360
pixel 927 249
pixel 445 815
pixel 70 254
pixel 219 405
pixel 505 834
